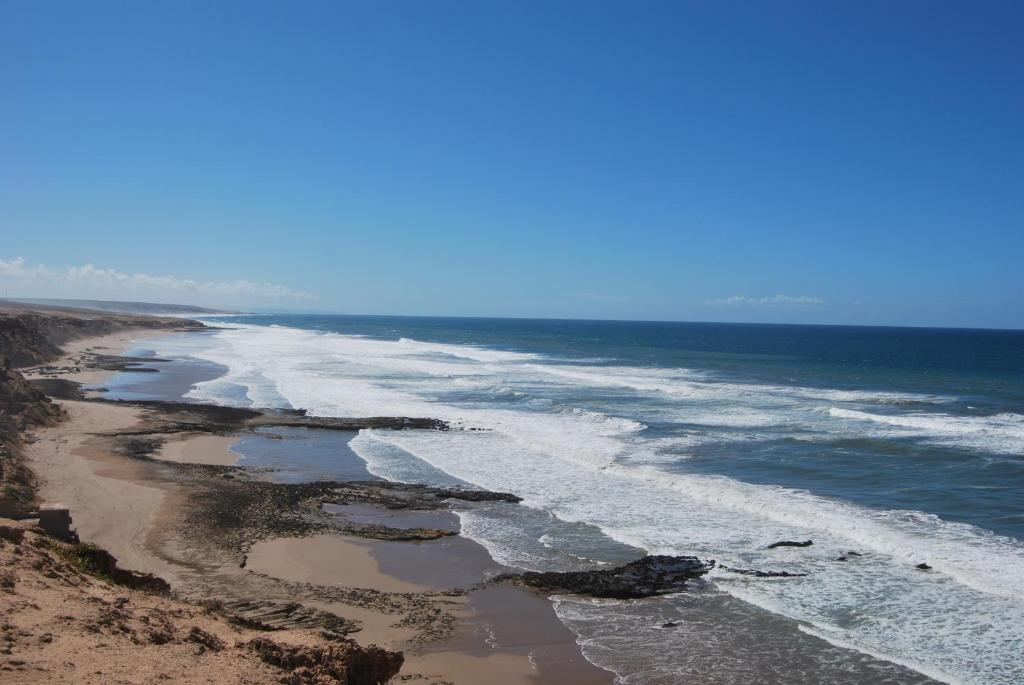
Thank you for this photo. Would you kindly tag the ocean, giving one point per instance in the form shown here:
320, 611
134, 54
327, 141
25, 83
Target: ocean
888, 447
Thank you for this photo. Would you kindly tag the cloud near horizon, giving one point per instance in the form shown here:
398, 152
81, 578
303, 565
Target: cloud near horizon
88, 281
778, 300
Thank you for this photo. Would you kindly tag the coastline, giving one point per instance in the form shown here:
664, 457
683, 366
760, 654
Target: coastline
226, 521
127, 505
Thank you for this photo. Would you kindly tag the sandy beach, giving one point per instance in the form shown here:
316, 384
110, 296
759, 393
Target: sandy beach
403, 595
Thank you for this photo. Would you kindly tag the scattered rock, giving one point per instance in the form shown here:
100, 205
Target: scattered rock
344, 661
379, 532
790, 543
268, 615
179, 416
234, 513
13, 534
763, 574
205, 639
160, 636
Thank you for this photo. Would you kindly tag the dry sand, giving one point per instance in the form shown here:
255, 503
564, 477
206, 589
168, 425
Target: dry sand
112, 503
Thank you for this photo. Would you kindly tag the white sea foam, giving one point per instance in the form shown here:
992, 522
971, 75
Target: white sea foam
939, 618
480, 354
588, 465
698, 385
1002, 433
834, 639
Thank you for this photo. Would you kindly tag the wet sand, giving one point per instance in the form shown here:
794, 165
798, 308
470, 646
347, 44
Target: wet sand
509, 622
325, 454
199, 449
325, 560
504, 634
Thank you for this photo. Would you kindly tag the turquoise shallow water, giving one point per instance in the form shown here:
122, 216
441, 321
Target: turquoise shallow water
902, 444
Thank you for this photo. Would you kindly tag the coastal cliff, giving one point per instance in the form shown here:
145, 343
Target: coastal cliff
21, 407
31, 335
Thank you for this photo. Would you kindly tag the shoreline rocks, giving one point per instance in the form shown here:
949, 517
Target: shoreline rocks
762, 574
168, 416
790, 543
652, 575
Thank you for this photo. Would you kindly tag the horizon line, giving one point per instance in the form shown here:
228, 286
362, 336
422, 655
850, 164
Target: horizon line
309, 312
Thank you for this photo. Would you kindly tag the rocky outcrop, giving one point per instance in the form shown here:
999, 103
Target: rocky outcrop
168, 417
237, 511
757, 573
270, 615
790, 543
99, 562
21, 405
60, 623
379, 532
344, 662
165, 417
652, 575
299, 417
58, 388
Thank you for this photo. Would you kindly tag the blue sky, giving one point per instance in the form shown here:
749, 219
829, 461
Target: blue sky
840, 162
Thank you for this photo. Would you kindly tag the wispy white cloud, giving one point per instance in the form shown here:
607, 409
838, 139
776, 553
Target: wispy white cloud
776, 301
89, 281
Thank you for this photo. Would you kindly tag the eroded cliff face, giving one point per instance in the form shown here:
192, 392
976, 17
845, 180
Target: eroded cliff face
30, 337
34, 336
21, 407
